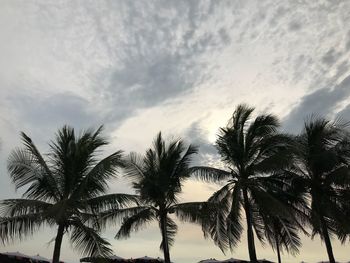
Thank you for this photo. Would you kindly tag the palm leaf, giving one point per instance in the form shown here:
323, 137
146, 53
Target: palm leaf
171, 230
19, 207
135, 222
193, 212
88, 241
134, 167
233, 224
20, 227
26, 166
114, 216
182, 165
111, 202
209, 174
96, 180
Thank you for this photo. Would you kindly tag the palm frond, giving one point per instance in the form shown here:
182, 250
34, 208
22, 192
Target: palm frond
115, 216
159, 145
20, 227
262, 126
73, 157
27, 166
209, 174
240, 116
273, 153
22, 168
19, 207
134, 169
233, 224
339, 176
217, 227
171, 230
194, 212
96, 180
284, 233
39, 160
88, 241
135, 222
221, 194
258, 223
182, 165
111, 202
268, 203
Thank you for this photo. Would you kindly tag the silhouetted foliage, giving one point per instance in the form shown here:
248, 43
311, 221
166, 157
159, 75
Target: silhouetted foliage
157, 178
252, 150
320, 171
66, 189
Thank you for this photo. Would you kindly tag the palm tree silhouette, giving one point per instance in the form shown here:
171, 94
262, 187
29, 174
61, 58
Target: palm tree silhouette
64, 190
320, 171
157, 178
282, 233
251, 150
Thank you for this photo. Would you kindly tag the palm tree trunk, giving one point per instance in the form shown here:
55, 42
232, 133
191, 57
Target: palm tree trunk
278, 247
58, 243
250, 234
327, 240
163, 226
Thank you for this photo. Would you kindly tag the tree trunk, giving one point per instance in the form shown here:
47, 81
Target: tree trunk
278, 247
327, 240
250, 234
58, 243
163, 226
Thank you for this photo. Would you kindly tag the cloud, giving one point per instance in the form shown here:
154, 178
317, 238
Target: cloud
155, 63
345, 112
60, 108
198, 136
323, 102
42, 115
176, 66
331, 56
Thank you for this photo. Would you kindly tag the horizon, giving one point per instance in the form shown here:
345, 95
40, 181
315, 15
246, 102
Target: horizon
180, 67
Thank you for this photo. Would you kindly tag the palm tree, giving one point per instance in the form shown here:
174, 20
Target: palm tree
282, 233
157, 178
321, 171
65, 189
251, 150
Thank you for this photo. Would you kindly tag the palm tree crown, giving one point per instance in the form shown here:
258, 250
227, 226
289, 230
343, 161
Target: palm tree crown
64, 190
251, 150
157, 178
320, 170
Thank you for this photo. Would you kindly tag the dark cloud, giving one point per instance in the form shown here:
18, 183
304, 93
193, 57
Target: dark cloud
57, 108
52, 112
331, 56
198, 136
39, 116
224, 36
322, 102
159, 56
278, 14
347, 44
295, 25
145, 81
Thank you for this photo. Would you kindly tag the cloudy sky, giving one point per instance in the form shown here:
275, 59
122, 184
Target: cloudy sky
177, 66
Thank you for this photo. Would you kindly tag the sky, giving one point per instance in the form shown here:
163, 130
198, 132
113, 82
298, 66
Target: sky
180, 67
